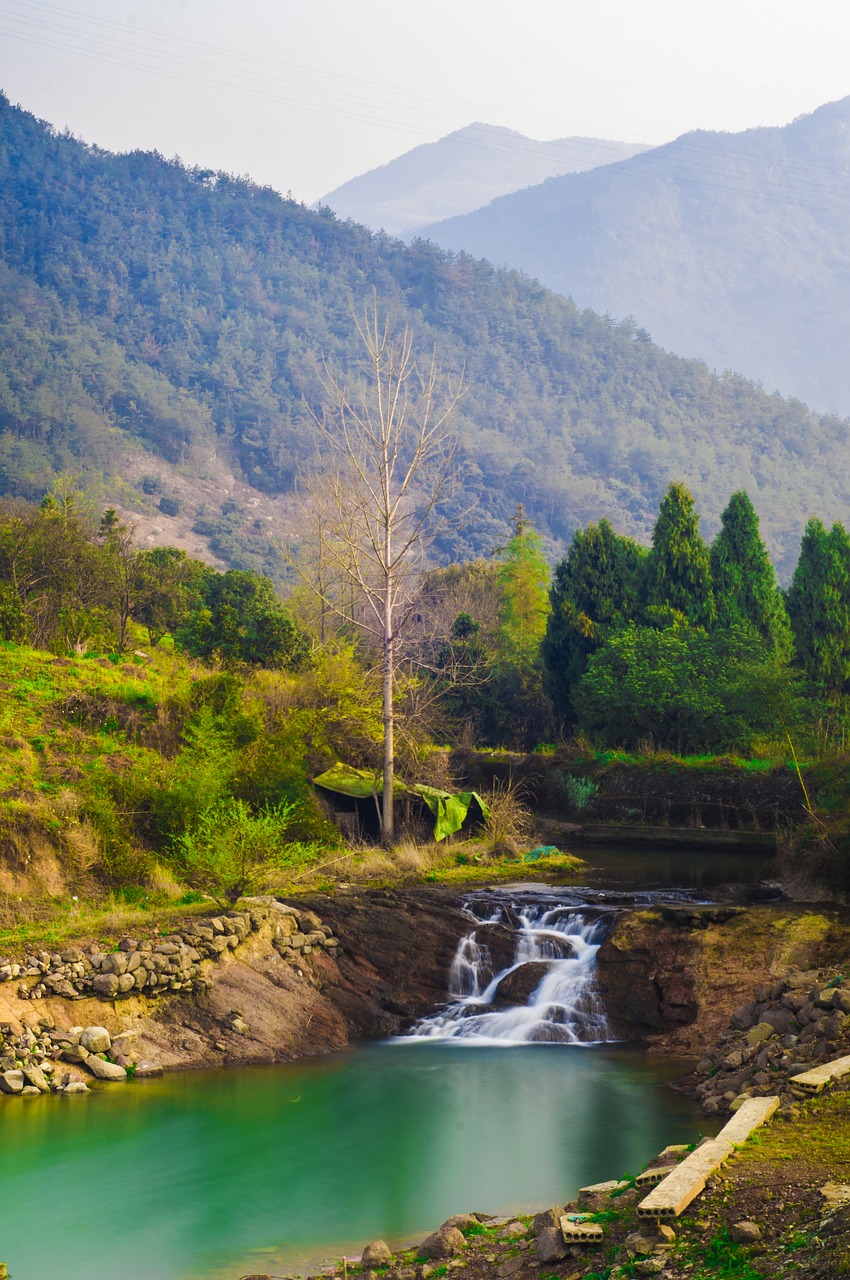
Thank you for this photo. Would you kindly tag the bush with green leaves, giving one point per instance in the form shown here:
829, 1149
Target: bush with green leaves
231, 850
688, 689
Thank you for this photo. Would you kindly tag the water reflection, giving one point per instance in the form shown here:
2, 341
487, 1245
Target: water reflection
202, 1175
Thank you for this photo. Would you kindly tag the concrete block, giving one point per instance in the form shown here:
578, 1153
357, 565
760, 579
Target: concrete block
672, 1196
815, 1080
649, 1177
751, 1115
581, 1232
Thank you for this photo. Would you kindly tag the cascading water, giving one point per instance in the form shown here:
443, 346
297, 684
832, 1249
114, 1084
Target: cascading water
547, 994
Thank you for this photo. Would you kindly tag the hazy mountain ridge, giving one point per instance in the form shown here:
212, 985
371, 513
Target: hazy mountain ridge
734, 248
149, 307
461, 172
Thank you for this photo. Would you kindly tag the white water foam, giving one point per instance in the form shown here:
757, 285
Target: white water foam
564, 1007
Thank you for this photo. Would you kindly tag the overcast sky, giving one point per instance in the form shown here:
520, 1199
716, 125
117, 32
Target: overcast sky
304, 96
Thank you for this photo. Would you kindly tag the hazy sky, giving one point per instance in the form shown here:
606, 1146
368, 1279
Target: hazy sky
304, 96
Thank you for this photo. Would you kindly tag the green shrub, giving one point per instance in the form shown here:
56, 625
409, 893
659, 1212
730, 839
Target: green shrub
230, 850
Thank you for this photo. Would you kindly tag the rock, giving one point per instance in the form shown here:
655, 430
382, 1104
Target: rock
115, 962
443, 1243
36, 1077
761, 1031
376, 1254
96, 1040
75, 1086
105, 1070
638, 1243
779, 1019
105, 985
548, 1218
513, 1231
835, 1025
74, 1053
745, 1232
460, 1220
649, 1266
551, 1246
517, 987
11, 1081
510, 1267
146, 1069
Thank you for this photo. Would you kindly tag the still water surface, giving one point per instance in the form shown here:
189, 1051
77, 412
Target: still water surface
208, 1176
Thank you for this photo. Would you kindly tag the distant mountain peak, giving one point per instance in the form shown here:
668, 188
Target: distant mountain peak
730, 247
463, 171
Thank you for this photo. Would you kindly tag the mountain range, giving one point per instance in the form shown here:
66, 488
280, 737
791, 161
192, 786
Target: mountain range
733, 248
163, 331
460, 172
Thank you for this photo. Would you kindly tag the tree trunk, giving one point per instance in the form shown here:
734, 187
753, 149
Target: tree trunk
387, 824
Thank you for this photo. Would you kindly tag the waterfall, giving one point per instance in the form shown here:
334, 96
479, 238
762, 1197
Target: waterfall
547, 994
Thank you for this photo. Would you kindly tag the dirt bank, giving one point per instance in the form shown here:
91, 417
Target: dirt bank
673, 975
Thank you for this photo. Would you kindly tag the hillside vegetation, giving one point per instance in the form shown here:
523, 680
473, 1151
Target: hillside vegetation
151, 310
730, 247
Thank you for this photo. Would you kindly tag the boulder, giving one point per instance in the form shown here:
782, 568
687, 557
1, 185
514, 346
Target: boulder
461, 1220
75, 1086
761, 1031
105, 1070
548, 1218
443, 1243
376, 1254
36, 1077
11, 1081
551, 1246
105, 985
518, 986
96, 1040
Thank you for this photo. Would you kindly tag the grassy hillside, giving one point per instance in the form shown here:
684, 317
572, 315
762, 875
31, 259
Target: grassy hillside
730, 247
163, 331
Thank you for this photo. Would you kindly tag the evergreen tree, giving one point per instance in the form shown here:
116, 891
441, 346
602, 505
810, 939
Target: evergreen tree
819, 606
595, 586
745, 588
678, 569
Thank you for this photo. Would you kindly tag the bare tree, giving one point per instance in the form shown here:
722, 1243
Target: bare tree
375, 504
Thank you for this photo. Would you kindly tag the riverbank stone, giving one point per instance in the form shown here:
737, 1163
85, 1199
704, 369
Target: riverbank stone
551, 1245
11, 1081
443, 1243
96, 1040
376, 1254
103, 1070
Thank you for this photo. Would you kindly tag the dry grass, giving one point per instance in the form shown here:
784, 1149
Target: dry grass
509, 830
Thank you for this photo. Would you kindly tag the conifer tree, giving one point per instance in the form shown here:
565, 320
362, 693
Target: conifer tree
678, 570
745, 587
819, 606
594, 588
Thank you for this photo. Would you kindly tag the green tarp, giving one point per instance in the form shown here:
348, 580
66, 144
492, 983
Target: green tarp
449, 809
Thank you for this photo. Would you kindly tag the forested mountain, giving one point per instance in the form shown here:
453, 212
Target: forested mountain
734, 248
149, 311
461, 172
